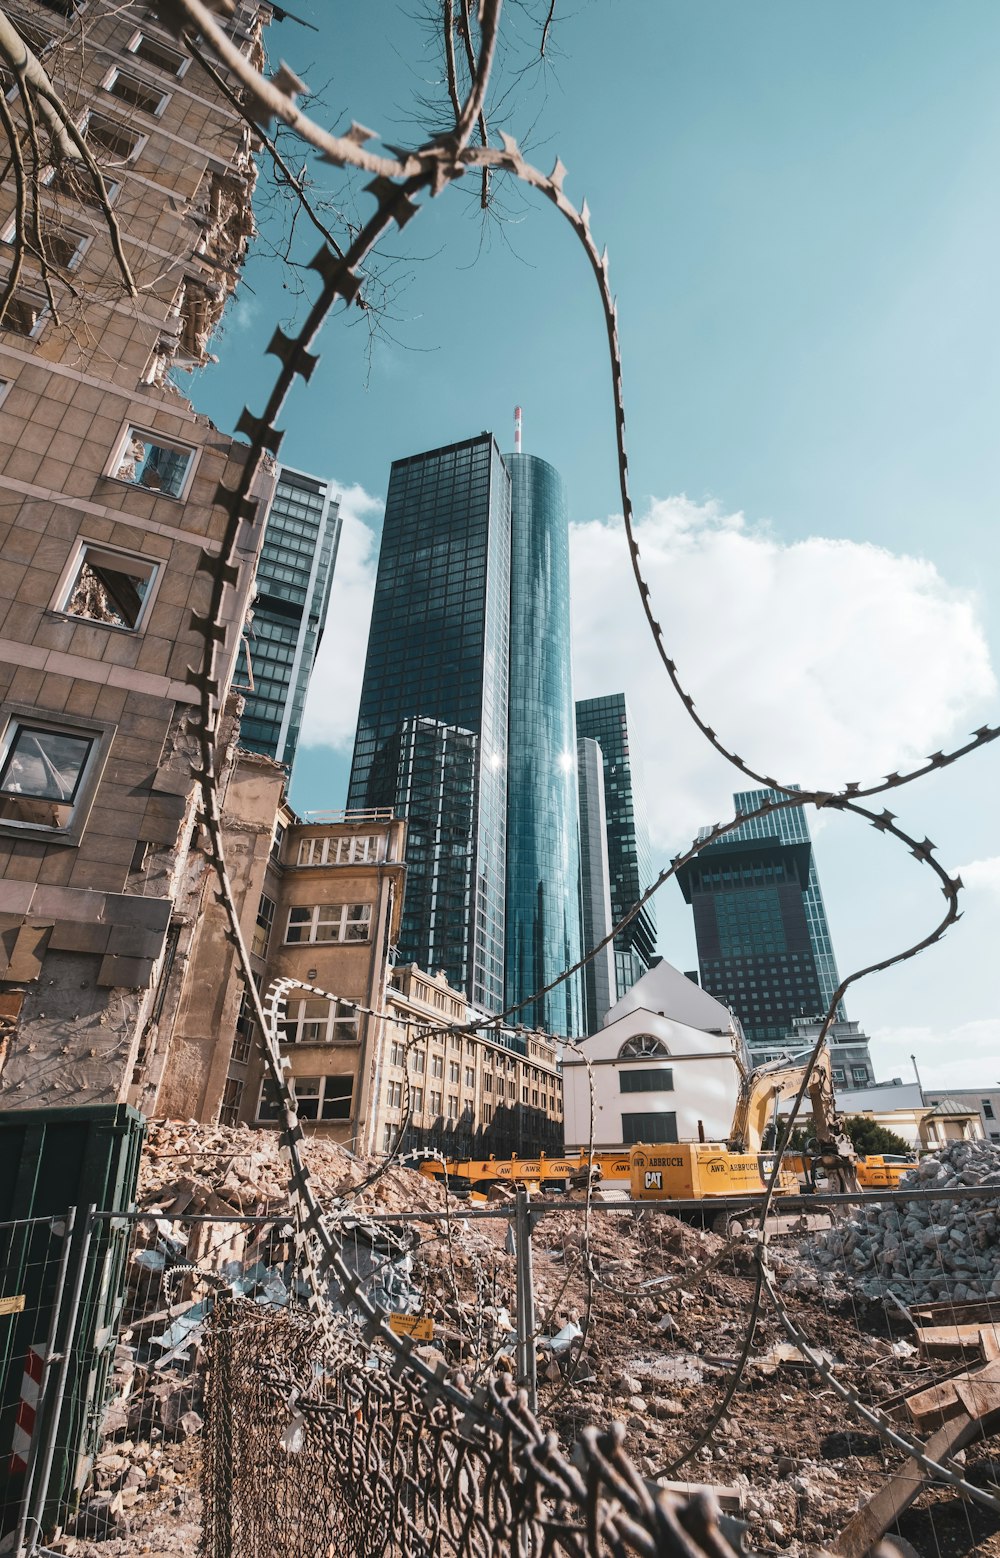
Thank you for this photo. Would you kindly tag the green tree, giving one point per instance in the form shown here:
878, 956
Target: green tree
869, 1137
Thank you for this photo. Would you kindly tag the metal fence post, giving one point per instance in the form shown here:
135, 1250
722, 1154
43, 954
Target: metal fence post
46, 1422
527, 1363
37, 1513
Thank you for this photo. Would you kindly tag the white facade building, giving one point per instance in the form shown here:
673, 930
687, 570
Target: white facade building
666, 1066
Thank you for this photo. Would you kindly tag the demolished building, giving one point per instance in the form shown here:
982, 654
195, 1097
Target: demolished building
111, 525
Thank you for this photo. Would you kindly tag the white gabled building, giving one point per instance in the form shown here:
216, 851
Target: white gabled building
666, 1066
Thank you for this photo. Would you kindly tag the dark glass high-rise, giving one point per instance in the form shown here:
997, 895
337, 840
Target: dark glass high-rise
432, 727
608, 722
763, 938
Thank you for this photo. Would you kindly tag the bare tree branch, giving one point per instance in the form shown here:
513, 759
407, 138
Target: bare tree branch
29, 73
17, 163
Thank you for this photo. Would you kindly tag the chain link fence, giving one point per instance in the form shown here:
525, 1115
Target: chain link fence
614, 1359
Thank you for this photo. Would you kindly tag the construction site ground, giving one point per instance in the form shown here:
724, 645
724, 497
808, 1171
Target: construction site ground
664, 1309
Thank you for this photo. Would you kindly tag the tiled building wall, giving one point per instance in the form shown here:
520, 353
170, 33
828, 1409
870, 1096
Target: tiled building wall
104, 464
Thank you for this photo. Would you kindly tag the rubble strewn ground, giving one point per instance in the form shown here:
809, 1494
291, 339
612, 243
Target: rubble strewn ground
652, 1340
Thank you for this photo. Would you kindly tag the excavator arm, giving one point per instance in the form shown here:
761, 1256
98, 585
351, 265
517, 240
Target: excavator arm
763, 1089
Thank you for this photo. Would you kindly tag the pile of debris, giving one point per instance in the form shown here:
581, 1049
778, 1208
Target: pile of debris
923, 1250
221, 1170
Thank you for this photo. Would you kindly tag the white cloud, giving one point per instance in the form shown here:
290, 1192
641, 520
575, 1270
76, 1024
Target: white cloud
819, 661
962, 1057
982, 875
331, 710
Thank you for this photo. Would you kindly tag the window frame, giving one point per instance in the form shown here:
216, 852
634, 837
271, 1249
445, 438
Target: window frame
334, 1018
91, 203
117, 161
646, 1079
322, 914
112, 76
308, 1098
84, 241
100, 733
629, 1139
132, 46
71, 573
23, 294
130, 430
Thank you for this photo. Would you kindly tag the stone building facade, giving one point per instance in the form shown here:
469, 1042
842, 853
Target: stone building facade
109, 528
496, 1091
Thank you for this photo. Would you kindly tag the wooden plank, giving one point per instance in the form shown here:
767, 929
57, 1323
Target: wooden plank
932, 1406
863, 1530
937, 1339
730, 1498
974, 1309
989, 1342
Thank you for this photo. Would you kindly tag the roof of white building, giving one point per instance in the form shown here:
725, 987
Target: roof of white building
666, 992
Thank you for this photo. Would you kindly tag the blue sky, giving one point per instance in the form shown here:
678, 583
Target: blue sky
799, 207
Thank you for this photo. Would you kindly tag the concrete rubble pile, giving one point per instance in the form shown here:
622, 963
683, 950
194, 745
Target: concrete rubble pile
919, 1252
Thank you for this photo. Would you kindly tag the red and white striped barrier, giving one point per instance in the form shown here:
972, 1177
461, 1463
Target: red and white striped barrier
27, 1409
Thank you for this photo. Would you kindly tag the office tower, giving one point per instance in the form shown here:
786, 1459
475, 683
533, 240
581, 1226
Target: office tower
110, 508
608, 722
543, 851
763, 939
294, 577
600, 985
432, 726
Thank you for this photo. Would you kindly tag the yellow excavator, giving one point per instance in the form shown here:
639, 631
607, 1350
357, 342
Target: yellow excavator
740, 1167
691, 1172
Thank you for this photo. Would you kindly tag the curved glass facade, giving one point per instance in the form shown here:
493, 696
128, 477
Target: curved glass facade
543, 848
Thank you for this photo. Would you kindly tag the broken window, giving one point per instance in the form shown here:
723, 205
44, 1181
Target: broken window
42, 773
136, 92
338, 850
146, 460
262, 928
109, 587
62, 246
104, 134
316, 1098
246, 1031
25, 314
152, 52
232, 1098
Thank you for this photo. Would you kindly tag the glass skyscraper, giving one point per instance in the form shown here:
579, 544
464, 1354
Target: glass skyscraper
294, 577
600, 982
432, 727
763, 939
543, 851
608, 722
